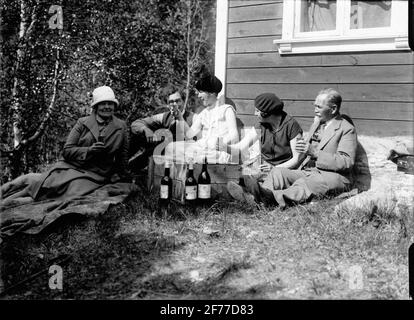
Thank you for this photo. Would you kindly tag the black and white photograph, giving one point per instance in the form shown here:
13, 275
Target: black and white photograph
206, 155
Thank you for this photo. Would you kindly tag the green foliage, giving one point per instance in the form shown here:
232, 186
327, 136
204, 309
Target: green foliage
136, 47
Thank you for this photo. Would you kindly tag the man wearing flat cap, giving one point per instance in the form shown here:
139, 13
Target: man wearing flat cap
330, 150
277, 132
215, 122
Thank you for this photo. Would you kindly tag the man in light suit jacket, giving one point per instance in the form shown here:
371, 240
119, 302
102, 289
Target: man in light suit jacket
330, 155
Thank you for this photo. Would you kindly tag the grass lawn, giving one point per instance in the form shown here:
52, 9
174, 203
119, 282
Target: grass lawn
222, 251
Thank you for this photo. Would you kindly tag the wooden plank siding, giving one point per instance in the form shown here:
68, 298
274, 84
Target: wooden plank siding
324, 75
382, 128
252, 44
377, 88
267, 11
273, 60
254, 28
377, 128
356, 110
350, 92
248, 3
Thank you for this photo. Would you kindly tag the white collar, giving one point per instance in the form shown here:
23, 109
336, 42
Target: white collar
217, 104
328, 123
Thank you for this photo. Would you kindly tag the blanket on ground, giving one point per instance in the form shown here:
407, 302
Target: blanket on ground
32, 215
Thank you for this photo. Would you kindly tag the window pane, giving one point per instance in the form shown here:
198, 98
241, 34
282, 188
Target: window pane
318, 15
370, 14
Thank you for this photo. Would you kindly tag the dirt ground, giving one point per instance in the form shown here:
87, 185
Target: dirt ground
220, 251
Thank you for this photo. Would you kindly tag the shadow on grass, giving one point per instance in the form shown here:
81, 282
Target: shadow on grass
116, 256
174, 286
103, 264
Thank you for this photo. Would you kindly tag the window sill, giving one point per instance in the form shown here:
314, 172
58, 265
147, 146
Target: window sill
342, 44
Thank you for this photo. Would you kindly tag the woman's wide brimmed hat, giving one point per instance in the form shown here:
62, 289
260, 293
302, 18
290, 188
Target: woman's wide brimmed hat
101, 94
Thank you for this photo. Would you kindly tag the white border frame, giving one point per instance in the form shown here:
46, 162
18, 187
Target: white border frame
373, 39
220, 62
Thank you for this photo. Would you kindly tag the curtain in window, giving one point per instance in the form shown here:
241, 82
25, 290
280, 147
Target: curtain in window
318, 15
370, 14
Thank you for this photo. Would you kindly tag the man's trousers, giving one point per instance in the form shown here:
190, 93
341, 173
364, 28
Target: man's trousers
297, 186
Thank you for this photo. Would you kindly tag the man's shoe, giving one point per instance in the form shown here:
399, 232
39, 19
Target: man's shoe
268, 197
239, 194
260, 194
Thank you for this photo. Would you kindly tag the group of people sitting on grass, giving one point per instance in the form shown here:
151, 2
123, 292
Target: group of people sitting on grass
100, 149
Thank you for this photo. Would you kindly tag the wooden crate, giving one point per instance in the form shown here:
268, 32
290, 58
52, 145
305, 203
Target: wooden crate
220, 174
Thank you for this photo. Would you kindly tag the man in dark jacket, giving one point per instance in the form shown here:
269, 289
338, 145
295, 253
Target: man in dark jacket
144, 131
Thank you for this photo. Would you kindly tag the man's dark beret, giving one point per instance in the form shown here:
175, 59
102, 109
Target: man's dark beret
268, 103
210, 84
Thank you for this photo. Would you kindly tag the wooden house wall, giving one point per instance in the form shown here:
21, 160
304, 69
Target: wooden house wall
376, 87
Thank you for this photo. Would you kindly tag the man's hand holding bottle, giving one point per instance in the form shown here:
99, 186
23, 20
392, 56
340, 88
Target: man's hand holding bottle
176, 113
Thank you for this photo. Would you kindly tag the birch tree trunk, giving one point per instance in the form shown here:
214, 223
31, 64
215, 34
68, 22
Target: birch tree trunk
187, 87
195, 40
28, 19
17, 82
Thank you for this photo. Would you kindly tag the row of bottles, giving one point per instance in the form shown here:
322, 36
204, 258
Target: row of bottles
200, 189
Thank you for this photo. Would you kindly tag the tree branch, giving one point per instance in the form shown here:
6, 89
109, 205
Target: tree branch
29, 30
187, 93
24, 33
72, 97
51, 107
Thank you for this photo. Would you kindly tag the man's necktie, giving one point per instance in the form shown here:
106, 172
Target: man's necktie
318, 133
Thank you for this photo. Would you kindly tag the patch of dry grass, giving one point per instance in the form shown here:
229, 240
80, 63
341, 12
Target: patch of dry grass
221, 251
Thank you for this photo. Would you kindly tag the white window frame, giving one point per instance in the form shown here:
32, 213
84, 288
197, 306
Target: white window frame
343, 39
222, 22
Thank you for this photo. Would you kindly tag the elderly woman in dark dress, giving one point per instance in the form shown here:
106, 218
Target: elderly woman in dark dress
95, 154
